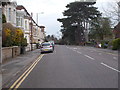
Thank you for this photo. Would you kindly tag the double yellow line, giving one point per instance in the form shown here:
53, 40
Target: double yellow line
18, 82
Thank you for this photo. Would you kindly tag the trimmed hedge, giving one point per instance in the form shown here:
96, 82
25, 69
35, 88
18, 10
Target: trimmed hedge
116, 44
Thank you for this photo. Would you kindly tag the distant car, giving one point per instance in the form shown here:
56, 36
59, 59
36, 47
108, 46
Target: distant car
46, 47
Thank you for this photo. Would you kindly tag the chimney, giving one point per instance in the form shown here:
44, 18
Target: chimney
42, 28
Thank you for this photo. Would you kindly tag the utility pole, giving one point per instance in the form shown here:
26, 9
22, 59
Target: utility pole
0, 44
0, 32
118, 11
37, 20
31, 32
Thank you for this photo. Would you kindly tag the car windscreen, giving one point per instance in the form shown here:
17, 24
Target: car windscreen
45, 44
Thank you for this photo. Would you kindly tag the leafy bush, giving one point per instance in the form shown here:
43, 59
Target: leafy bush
110, 44
7, 34
12, 36
90, 43
3, 18
116, 44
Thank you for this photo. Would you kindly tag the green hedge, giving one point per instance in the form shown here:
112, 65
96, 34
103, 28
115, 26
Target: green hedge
116, 44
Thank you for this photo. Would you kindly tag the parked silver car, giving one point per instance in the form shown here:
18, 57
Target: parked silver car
53, 44
46, 47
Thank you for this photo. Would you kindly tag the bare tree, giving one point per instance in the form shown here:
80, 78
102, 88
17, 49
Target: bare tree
112, 11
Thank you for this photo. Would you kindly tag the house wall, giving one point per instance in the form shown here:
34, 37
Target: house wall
20, 19
10, 12
41, 35
23, 23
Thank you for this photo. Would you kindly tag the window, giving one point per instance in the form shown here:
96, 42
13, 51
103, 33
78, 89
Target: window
26, 25
9, 14
21, 21
18, 21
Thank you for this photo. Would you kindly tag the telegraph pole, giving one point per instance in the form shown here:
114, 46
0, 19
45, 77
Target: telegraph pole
118, 11
0, 32
0, 45
31, 32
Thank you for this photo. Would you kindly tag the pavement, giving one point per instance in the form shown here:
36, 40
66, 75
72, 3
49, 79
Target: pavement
15, 66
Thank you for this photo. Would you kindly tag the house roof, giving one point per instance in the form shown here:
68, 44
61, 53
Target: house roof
5, 0
42, 26
20, 7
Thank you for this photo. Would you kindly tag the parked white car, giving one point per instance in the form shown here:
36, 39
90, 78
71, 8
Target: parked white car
46, 47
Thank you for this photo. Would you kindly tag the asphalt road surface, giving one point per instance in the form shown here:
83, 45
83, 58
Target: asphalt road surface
74, 67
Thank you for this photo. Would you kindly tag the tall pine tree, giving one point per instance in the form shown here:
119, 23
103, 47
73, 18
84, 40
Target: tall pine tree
78, 16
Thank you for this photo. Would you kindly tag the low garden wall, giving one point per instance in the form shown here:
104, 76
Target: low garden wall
10, 52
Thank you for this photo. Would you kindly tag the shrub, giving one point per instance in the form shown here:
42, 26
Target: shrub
24, 42
110, 44
3, 18
116, 44
90, 43
18, 37
7, 34
12, 36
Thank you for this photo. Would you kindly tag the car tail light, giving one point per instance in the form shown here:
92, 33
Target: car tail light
50, 46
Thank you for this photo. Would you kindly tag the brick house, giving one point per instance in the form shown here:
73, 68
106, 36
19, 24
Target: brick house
116, 30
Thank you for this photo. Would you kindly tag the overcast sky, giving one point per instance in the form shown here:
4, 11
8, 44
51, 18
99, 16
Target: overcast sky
52, 10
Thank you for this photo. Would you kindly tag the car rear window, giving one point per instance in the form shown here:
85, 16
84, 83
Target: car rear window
46, 44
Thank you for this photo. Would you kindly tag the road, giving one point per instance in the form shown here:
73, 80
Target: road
74, 67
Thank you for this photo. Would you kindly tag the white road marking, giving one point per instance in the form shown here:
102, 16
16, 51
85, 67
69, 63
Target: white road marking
79, 52
100, 53
115, 58
73, 50
110, 67
66, 46
89, 57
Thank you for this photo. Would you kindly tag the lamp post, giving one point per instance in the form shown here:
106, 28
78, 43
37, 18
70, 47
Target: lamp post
0, 44
37, 20
31, 32
118, 11
0, 32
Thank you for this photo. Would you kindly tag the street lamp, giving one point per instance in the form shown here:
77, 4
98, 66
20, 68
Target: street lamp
37, 16
118, 11
0, 32
0, 44
31, 31
37, 20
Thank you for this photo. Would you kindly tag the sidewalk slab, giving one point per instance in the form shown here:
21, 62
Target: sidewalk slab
16, 65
